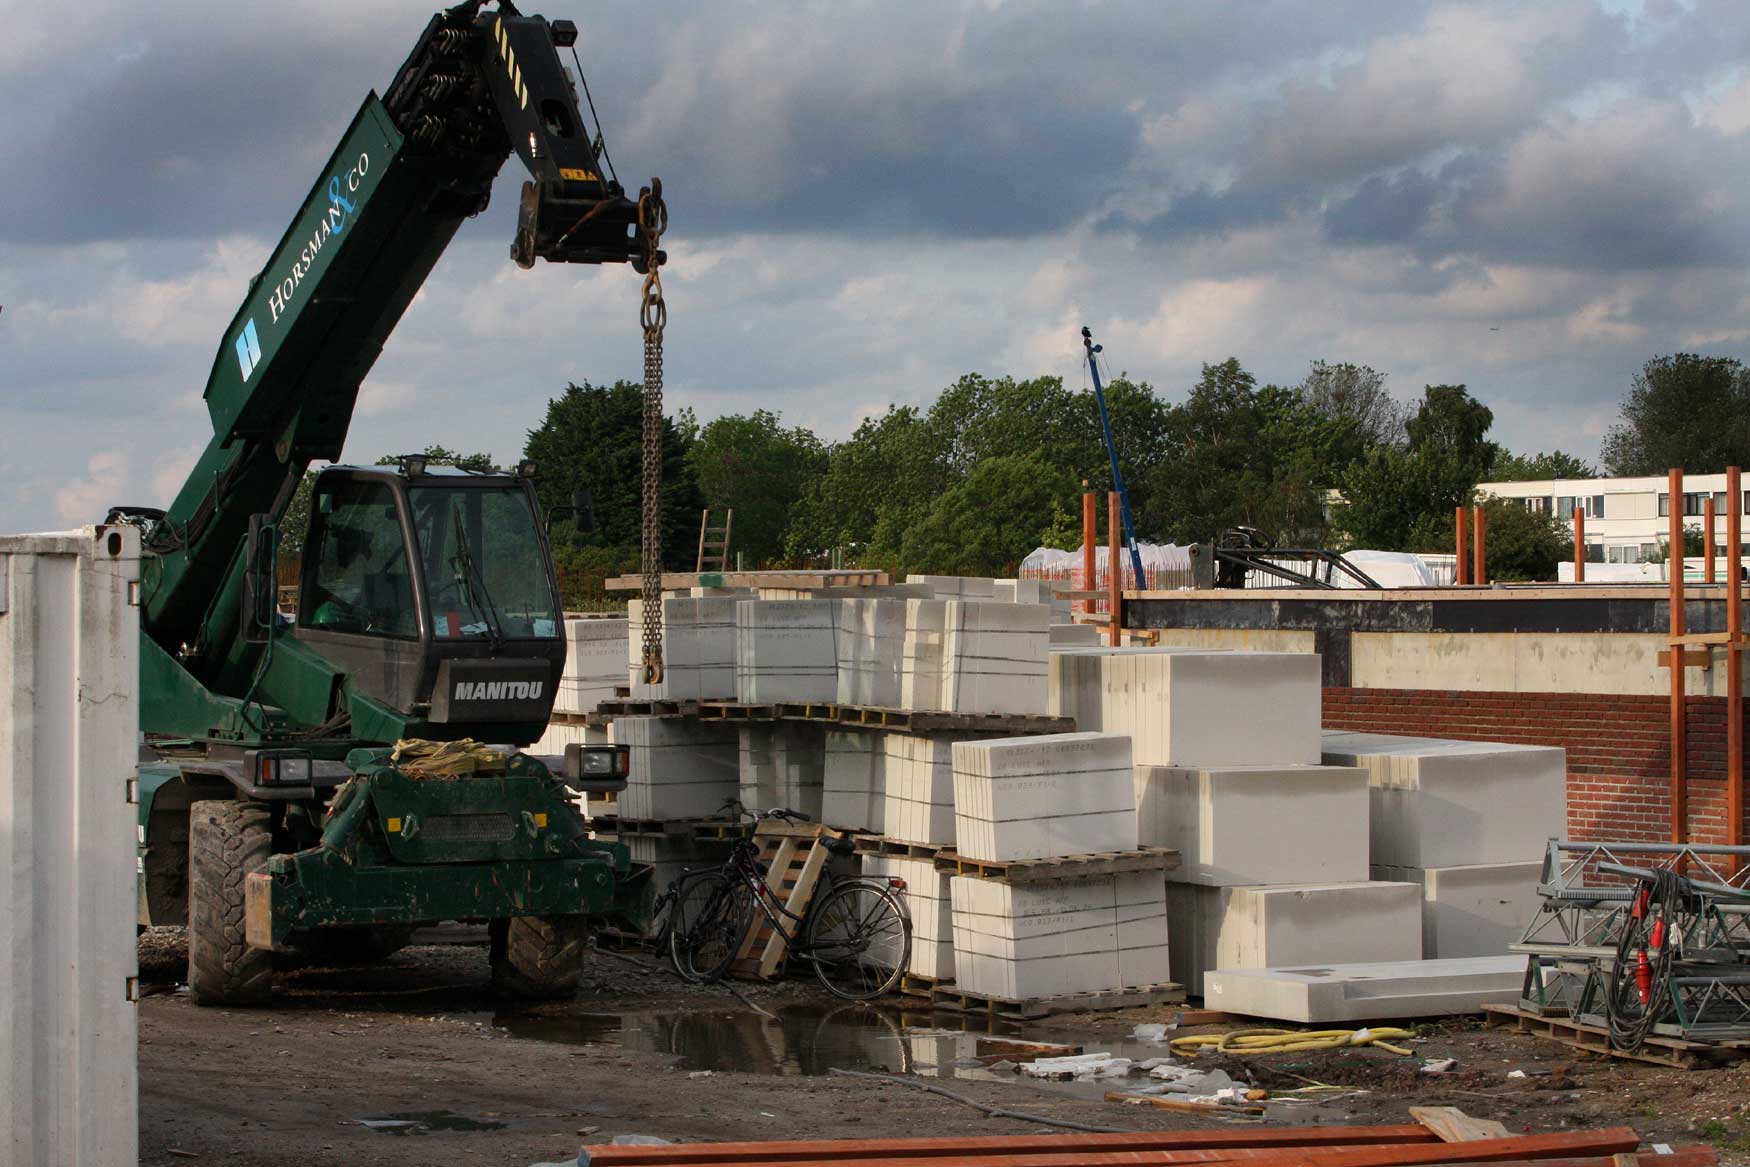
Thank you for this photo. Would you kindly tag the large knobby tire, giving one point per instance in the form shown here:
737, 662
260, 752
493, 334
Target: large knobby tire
538, 958
226, 841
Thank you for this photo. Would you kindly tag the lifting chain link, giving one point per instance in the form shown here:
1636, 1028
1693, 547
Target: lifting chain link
652, 317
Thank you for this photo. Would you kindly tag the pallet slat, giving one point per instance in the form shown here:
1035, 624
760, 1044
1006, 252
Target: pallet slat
1065, 867
1658, 1049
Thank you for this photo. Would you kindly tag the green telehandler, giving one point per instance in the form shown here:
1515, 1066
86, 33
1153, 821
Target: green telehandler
290, 795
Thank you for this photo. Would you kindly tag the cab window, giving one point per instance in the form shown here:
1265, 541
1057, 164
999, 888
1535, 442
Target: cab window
358, 579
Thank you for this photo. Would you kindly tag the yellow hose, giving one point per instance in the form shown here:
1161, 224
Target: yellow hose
1280, 1041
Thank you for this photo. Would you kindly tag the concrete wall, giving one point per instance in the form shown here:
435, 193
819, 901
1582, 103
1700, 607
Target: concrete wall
1522, 662
1249, 639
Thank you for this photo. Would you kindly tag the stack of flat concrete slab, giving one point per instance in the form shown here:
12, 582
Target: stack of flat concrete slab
698, 649
929, 900
595, 662
1466, 822
1367, 991
786, 650
679, 768
782, 766
973, 656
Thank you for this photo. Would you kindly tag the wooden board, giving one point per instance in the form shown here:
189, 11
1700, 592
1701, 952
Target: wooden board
1657, 1049
1063, 867
957, 1000
898, 848
921, 987
932, 721
1453, 1125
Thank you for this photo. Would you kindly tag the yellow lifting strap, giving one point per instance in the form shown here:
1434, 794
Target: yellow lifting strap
1280, 1041
418, 758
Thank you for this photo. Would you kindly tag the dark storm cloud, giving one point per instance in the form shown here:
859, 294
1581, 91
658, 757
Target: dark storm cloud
1384, 209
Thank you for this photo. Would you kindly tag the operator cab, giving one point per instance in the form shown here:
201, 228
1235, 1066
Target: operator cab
434, 588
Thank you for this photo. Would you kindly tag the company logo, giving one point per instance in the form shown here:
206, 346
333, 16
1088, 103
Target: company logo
248, 349
333, 221
499, 690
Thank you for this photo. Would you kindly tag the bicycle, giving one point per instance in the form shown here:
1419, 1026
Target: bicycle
856, 931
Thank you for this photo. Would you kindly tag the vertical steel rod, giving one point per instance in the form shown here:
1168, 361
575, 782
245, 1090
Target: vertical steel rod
1679, 736
1461, 524
1707, 540
1090, 535
1579, 544
1480, 573
1115, 569
1734, 661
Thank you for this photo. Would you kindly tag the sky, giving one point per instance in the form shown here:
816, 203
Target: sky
869, 200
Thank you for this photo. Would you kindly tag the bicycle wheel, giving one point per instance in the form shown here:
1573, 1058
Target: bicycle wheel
859, 938
706, 923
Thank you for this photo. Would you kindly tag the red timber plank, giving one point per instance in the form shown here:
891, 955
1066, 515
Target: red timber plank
826, 1149
1073, 1157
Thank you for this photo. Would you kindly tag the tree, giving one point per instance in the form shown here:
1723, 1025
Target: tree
753, 464
1521, 545
1356, 393
988, 523
1510, 467
439, 456
591, 439
1394, 498
1683, 411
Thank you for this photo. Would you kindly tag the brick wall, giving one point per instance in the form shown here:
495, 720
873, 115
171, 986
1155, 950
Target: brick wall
1619, 769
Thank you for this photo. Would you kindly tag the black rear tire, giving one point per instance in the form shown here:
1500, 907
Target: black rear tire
226, 841
859, 938
538, 958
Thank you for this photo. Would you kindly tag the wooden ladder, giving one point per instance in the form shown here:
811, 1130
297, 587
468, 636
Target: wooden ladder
714, 542
793, 858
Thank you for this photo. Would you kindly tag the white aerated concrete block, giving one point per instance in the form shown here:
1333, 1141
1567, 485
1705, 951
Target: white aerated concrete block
1037, 797
1441, 803
871, 639
1475, 910
1256, 824
994, 657
783, 767
928, 900
698, 650
956, 587
917, 777
1074, 636
1259, 927
595, 663
670, 855
852, 795
680, 769
1023, 942
786, 650
1194, 707
1366, 991
920, 665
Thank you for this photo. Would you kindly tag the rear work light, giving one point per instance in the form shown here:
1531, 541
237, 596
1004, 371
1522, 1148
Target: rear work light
597, 761
278, 767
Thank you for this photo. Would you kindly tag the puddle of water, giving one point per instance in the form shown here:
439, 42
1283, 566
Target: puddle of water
805, 1040
420, 1122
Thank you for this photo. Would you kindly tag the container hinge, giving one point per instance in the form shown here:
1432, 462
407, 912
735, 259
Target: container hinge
133, 792
133, 990
133, 593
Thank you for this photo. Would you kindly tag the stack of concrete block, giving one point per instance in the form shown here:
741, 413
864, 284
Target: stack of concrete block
927, 897
557, 737
1190, 707
698, 649
957, 587
670, 855
783, 767
786, 650
1028, 941
595, 663
994, 657
680, 768
1467, 822
917, 781
852, 791
920, 663
1074, 636
1347, 992
1039, 797
871, 641
1270, 926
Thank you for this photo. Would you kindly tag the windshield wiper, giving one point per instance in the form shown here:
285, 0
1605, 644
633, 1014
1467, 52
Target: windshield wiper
477, 593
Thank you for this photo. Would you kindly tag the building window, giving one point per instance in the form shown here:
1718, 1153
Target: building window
1538, 504
1595, 507
1694, 503
1565, 506
1664, 506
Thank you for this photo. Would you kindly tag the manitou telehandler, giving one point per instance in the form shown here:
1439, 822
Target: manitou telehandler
274, 814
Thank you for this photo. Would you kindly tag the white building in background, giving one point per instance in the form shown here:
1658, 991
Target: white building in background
1627, 519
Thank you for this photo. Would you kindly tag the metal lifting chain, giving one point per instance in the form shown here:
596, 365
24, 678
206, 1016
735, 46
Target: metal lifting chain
653, 316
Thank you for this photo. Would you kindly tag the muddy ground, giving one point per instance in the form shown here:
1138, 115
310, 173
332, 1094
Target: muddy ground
414, 1062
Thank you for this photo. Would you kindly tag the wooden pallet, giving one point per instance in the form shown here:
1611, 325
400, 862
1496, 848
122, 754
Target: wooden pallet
924, 988
1658, 1049
931, 721
608, 824
1066, 867
626, 707
958, 1000
898, 848
736, 711
793, 858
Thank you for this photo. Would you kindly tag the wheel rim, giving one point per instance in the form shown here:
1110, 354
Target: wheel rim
707, 928
860, 942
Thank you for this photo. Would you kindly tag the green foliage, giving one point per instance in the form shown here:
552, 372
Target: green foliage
751, 463
987, 523
1356, 393
1683, 411
582, 571
439, 456
1511, 467
1693, 544
590, 439
295, 523
1397, 499
1520, 545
